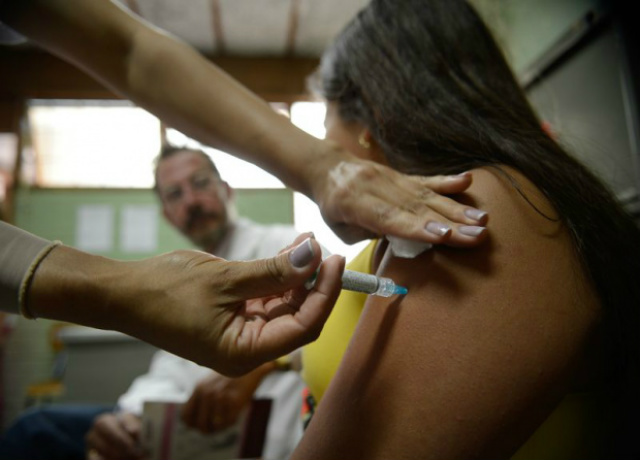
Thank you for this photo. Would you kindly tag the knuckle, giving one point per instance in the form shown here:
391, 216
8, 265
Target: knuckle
412, 207
426, 193
274, 268
367, 173
385, 214
226, 278
341, 192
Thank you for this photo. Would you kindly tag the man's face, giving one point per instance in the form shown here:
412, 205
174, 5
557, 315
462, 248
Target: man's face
193, 198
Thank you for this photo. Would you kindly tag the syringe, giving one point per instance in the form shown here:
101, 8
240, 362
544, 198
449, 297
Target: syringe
363, 282
371, 284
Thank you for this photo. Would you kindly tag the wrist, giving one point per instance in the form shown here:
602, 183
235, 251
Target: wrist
300, 160
318, 170
71, 285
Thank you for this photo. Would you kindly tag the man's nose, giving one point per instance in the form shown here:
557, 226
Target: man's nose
189, 197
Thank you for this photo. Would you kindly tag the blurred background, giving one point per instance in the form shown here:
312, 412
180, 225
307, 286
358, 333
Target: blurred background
76, 161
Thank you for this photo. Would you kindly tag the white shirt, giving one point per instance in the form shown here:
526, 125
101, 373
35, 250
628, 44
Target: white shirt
171, 378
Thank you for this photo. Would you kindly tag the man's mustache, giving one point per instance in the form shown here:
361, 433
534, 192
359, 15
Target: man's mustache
196, 214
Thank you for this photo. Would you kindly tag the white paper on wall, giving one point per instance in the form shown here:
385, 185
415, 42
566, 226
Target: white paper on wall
94, 228
139, 228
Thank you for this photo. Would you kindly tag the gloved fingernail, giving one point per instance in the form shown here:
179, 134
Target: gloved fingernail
302, 254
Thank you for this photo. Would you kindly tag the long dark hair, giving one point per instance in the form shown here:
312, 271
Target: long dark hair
430, 83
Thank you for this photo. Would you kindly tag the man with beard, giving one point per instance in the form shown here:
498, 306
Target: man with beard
199, 203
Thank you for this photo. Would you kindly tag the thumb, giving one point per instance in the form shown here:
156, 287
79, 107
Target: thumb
266, 277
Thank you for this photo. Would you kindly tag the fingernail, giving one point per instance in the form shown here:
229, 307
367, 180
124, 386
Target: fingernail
470, 230
438, 228
302, 254
474, 214
462, 174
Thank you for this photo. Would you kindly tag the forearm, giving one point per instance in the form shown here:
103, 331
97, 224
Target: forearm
173, 81
216, 109
40, 279
70, 285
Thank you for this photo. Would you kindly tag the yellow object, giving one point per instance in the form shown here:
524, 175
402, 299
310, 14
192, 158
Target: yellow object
52, 389
43, 393
283, 363
321, 358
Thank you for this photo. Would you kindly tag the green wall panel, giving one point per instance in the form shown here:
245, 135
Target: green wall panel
526, 29
52, 213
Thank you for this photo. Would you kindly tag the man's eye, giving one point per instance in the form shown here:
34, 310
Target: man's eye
201, 183
173, 195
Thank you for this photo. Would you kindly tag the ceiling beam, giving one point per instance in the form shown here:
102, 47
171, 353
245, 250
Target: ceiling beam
32, 73
292, 30
218, 30
133, 6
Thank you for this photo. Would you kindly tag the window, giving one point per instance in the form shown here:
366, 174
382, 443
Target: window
92, 143
238, 173
8, 148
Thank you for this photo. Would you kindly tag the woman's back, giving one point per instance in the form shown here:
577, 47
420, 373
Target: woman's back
494, 337
479, 352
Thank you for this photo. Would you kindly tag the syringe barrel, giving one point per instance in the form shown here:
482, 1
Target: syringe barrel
369, 284
359, 282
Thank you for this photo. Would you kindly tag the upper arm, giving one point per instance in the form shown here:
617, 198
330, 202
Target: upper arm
475, 356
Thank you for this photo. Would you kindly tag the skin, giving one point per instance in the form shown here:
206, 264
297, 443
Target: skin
217, 401
233, 316
348, 136
194, 200
187, 186
115, 436
215, 404
468, 364
357, 198
229, 316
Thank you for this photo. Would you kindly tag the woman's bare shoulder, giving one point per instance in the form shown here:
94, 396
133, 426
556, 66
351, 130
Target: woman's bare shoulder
482, 347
